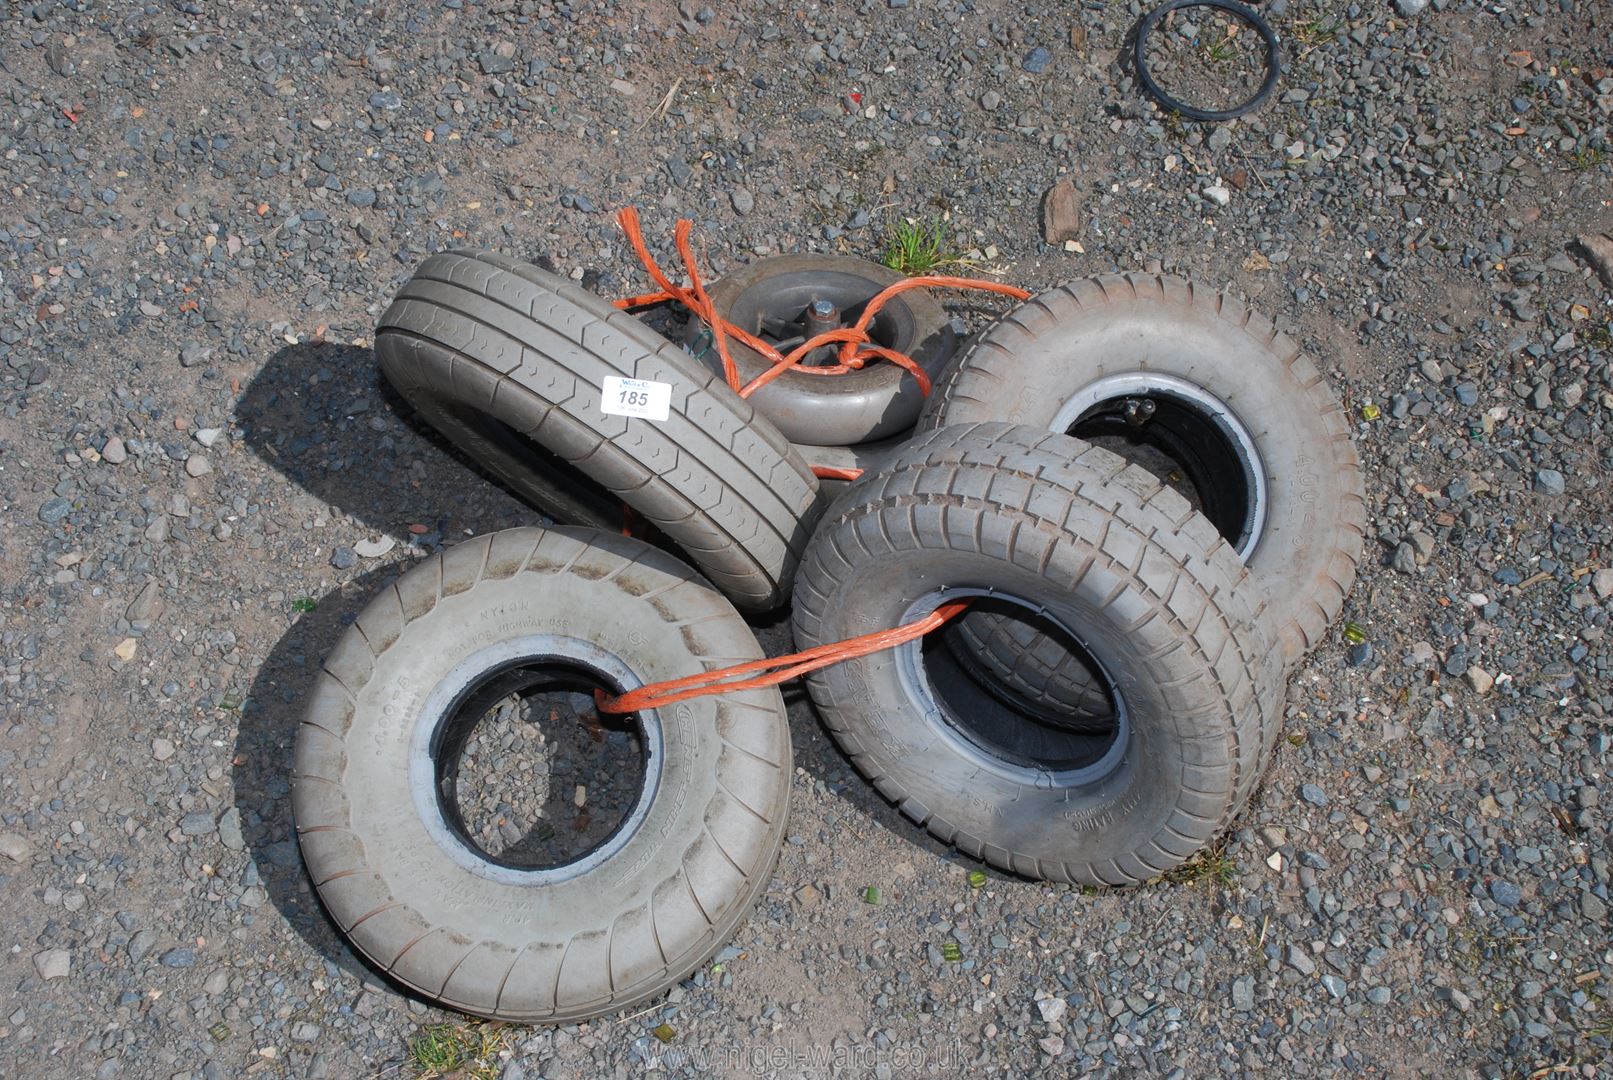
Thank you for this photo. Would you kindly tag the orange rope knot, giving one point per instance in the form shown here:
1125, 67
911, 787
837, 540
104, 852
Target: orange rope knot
857, 348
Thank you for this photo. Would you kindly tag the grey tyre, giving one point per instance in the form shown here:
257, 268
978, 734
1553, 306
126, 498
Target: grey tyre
1233, 407
878, 402
509, 362
389, 853
1039, 526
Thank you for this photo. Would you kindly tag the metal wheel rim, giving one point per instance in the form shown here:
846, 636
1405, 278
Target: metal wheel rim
783, 298
1238, 445
916, 683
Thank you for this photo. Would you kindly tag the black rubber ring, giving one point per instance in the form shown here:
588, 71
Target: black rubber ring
1274, 64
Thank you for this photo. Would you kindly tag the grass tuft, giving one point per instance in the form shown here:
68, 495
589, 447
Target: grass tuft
915, 248
1586, 159
1211, 867
461, 1051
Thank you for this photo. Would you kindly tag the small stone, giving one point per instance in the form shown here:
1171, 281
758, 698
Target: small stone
197, 465
1336, 987
146, 605
742, 199
374, 549
1052, 1045
1404, 559
229, 830
493, 64
54, 510
303, 1031
344, 558
1061, 212
1505, 893
808, 895
1549, 482
1602, 582
53, 963
125, 649
1481, 681
1243, 993
1359, 655
1300, 960
1379, 995
59, 60
191, 355
141, 944
1598, 251
217, 983
162, 749
207, 436
1036, 60
1422, 544
1462, 1002
1313, 794
1410, 8
113, 452
990, 100
196, 823
1052, 1009
1217, 194
179, 958
15, 847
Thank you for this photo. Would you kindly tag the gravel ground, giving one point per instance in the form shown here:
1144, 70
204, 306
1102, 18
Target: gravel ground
201, 478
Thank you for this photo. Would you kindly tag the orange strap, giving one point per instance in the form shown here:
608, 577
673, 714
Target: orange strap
830, 472
778, 669
857, 348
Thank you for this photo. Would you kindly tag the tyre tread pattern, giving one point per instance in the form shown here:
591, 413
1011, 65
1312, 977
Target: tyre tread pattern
711, 886
515, 341
1166, 560
964, 393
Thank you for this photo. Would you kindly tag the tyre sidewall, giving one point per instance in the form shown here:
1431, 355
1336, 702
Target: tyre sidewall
400, 358
1306, 482
577, 942
1092, 825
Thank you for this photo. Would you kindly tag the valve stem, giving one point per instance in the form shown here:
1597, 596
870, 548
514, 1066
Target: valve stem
1137, 411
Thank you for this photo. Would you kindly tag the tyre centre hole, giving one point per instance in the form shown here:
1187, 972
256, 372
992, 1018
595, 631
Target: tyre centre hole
777, 311
994, 725
1185, 436
528, 774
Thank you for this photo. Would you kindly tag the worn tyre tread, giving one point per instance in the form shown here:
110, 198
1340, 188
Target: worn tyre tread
1082, 495
358, 897
531, 348
1300, 616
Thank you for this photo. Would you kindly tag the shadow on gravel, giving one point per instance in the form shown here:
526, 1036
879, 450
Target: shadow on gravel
263, 759
323, 416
